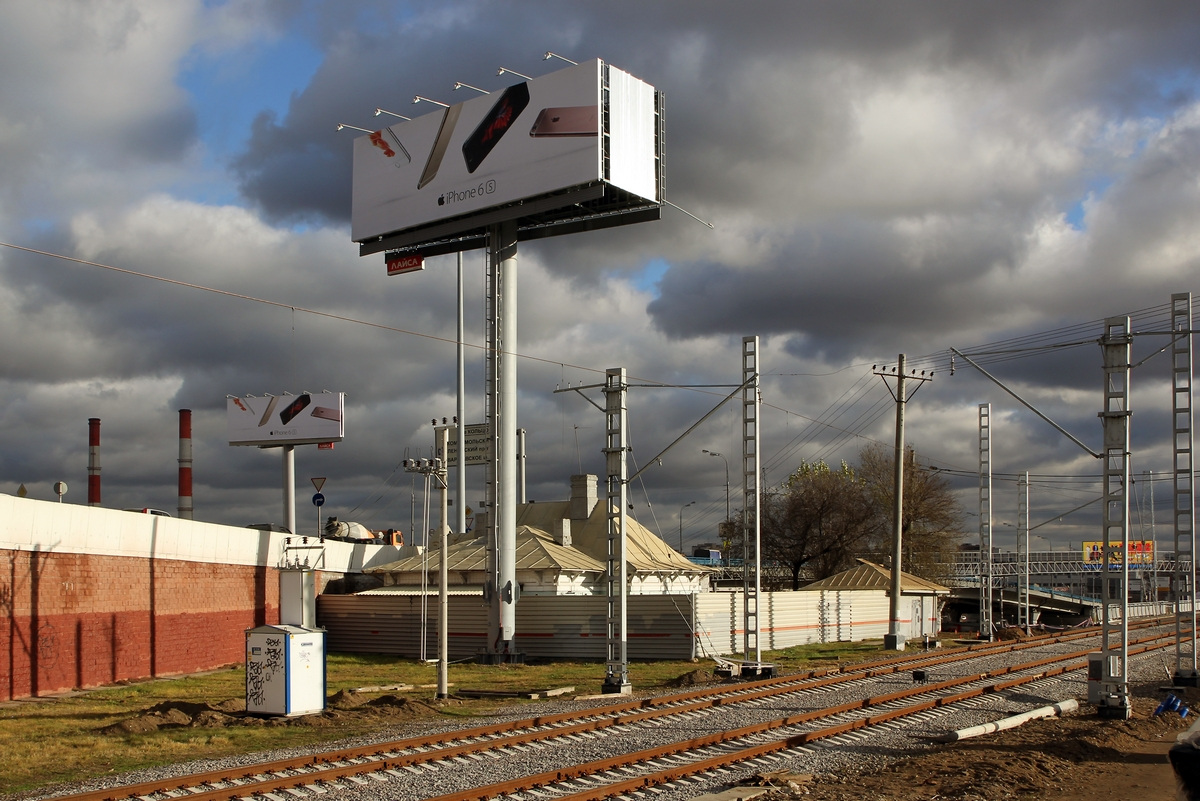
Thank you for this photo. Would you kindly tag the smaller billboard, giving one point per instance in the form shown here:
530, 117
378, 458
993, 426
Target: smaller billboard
1141, 554
286, 419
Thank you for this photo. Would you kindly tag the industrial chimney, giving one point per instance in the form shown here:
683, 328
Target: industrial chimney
93, 487
185, 464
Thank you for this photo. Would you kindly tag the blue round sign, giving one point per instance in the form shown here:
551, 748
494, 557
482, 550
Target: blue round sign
318, 499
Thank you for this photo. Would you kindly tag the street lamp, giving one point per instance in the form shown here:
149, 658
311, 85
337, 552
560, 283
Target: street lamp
681, 508
726, 461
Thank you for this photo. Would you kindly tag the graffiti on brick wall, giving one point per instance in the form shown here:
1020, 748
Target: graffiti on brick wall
47, 645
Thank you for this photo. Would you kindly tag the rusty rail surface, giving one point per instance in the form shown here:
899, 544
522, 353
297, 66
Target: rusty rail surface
364, 764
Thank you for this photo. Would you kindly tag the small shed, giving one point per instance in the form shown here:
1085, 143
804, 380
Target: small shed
920, 599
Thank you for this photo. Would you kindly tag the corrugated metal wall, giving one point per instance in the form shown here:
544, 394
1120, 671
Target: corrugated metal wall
791, 618
659, 626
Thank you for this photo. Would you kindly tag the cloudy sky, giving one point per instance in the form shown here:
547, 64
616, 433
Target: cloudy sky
881, 178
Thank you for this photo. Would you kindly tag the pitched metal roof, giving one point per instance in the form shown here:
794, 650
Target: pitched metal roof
537, 549
870, 576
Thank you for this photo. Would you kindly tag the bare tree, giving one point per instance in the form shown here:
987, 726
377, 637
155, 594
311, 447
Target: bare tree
932, 520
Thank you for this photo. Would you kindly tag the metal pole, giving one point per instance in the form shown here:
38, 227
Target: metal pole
726, 461
425, 571
895, 640
503, 244
521, 465
443, 681
681, 508
1023, 546
289, 490
460, 493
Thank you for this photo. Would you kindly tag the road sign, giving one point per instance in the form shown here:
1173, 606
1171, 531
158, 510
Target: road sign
478, 445
318, 500
318, 483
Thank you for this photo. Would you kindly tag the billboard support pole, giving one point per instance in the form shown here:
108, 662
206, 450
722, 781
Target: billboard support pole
461, 411
502, 419
289, 490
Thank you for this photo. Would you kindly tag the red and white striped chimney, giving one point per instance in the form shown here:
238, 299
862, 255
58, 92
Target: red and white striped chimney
185, 464
93, 461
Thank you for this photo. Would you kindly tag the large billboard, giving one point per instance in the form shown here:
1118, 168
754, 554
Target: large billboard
587, 133
286, 419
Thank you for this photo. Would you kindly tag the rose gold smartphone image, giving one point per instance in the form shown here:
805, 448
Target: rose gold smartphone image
387, 141
566, 121
325, 413
440, 143
266, 415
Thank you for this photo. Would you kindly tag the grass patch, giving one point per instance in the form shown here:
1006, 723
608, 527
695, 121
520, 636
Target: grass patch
52, 740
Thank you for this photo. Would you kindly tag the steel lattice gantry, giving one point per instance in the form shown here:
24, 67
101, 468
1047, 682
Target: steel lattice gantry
985, 521
1183, 583
751, 531
1114, 683
616, 675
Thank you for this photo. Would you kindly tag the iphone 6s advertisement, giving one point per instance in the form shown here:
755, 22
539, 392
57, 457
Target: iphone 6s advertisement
526, 140
286, 419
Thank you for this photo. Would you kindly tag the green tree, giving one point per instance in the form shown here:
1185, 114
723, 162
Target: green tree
816, 520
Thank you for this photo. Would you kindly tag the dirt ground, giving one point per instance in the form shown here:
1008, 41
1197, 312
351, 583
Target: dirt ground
1076, 758
1080, 757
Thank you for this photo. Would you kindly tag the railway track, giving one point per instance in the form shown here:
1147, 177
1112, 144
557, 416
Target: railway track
602, 752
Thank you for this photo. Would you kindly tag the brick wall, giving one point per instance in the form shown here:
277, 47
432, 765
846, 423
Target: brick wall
83, 620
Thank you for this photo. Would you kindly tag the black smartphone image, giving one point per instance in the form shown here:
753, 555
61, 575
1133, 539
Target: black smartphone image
440, 143
495, 124
566, 121
294, 409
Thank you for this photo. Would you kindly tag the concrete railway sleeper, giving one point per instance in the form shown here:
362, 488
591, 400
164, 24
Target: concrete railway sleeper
408, 756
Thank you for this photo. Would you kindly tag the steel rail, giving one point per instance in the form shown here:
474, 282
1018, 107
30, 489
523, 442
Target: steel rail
595, 770
406, 753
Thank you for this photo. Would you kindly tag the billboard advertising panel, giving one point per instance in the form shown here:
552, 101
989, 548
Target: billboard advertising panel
1141, 554
286, 419
498, 151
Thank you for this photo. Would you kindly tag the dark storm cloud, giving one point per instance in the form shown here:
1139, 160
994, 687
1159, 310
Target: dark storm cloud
750, 89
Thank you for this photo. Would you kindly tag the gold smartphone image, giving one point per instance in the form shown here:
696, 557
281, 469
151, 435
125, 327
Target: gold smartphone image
440, 143
266, 415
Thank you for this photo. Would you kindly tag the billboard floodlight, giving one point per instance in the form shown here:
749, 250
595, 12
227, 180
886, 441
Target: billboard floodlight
460, 85
379, 111
419, 98
550, 55
503, 70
